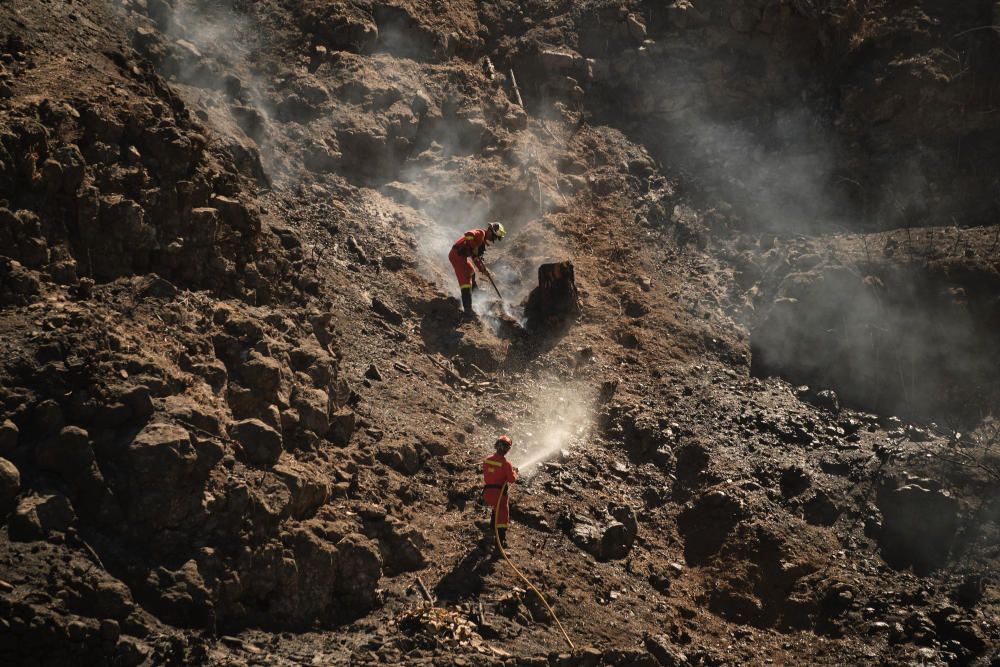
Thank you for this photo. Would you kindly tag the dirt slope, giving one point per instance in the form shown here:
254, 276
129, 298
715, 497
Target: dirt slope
241, 420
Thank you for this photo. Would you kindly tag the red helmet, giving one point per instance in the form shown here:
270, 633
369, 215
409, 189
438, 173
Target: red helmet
503, 443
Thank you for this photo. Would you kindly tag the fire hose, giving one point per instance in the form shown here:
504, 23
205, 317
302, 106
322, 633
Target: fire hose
496, 540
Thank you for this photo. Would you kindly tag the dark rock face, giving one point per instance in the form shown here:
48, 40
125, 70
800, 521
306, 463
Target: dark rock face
919, 526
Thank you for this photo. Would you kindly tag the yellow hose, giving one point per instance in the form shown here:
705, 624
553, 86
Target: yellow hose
496, 540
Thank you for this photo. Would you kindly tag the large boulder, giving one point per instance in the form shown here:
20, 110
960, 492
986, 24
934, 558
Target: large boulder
165, 476
68, 454
37, 517
313, 407
359, 568
260, 442
307, 486
608, 540
400, 544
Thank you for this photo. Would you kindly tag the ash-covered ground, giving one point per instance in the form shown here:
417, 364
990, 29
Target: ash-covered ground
242, 420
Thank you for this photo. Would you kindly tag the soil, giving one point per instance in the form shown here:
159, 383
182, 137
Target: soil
242, 418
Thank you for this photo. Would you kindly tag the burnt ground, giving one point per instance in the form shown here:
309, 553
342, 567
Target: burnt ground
241, 420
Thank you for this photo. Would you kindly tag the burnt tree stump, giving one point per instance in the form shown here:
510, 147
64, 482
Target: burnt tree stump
555, 301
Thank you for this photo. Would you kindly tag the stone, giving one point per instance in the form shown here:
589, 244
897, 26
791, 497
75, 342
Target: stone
827, 399
401, 546
37, 517
554, 60
359, 568
235, 214
73, 166
619, 536
395, 262
340, 29
308, 488
261, 443
262, 375
342, 424
313, 408
386, 312
373, 373
403, 457
10, 486
21, 283
616, 541
112, 599
110, 630
163, 480
48, 417
131, 651
636, 28
662, 649
69, 454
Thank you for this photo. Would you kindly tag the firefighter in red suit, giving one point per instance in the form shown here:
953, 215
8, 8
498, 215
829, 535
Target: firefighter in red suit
467, 251
498, 475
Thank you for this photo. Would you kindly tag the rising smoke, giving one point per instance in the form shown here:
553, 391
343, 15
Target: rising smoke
209, 44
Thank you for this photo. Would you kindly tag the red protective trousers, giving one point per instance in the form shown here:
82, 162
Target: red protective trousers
498, 471
465, 251
463, 268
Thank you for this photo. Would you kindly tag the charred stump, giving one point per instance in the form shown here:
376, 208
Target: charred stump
555, 301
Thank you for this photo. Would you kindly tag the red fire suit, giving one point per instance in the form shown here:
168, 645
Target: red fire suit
496, 471
464, 252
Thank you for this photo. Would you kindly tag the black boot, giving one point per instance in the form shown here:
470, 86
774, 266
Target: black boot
467, 303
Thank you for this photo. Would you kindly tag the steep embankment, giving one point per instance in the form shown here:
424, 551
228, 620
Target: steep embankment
241, 421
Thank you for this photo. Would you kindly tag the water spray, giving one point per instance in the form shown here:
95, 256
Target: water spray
563, 424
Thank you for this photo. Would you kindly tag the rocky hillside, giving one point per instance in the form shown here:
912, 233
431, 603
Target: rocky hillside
241, 420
